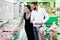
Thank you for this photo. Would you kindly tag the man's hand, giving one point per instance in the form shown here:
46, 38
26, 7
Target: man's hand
39, 23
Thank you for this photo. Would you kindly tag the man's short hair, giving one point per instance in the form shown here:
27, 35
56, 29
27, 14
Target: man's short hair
35, 3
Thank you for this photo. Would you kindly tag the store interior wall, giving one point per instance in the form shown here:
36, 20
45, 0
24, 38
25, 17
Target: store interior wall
8, 12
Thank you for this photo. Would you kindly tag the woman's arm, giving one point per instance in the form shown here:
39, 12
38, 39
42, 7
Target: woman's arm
21, 21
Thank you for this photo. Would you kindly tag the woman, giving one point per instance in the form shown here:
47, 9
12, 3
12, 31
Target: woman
28, 25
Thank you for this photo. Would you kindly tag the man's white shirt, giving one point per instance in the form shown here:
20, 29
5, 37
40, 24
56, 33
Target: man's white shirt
38, 16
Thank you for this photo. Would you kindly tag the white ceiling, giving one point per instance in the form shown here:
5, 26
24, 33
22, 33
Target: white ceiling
12, 1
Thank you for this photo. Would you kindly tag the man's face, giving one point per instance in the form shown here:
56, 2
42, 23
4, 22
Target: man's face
32, 6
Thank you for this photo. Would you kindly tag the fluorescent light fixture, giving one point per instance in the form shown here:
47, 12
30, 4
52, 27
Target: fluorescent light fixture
25, 3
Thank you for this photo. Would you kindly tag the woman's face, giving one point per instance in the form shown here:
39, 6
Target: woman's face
27, 10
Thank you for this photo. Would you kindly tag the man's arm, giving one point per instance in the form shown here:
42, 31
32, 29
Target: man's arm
45, 15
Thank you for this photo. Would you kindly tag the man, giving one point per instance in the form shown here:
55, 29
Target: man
37, 18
